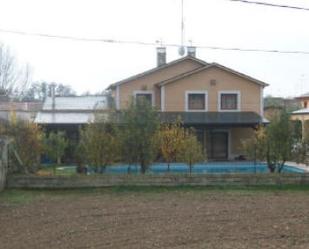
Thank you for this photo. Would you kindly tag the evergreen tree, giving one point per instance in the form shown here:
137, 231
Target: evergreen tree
139, 141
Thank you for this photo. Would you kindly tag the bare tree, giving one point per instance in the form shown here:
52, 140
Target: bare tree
40, 90
14, 79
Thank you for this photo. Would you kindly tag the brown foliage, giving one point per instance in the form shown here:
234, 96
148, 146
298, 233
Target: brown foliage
26, 147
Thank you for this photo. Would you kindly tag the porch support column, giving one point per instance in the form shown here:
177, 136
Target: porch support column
305, 127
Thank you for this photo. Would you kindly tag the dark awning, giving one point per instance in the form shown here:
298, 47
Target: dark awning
213, 118
209, 118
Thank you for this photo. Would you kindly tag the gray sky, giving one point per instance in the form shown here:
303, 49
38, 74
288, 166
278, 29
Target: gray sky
93, 65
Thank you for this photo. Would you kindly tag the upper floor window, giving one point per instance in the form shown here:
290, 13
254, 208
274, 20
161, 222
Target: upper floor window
305, 104
196, 101
229, 101
144, 96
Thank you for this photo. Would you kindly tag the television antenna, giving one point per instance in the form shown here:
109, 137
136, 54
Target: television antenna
182, 50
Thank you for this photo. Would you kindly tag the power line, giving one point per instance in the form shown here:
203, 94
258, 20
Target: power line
272, 5
87, 39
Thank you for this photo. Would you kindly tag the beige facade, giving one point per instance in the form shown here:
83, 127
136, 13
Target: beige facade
126, 91
171, 84
249, 93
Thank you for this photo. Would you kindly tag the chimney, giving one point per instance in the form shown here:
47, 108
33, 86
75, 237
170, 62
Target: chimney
52, 94
161, 56
191, 51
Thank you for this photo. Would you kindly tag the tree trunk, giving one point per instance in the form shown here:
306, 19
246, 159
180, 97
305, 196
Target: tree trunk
102, 169
129, 169
54, 169
143, 167
281, 166
271, 167
2, 175
168, 167
3, 163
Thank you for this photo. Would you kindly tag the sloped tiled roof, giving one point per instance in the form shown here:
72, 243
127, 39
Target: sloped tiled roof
63, 118
305, 95
71, 110
301, 111
203, 63
76, 103
180, 76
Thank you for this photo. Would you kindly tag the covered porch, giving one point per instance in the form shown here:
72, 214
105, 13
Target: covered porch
220, 133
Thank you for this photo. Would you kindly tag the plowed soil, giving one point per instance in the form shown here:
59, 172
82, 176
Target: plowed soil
157, 219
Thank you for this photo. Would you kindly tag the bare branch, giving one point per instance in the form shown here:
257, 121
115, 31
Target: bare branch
13, 78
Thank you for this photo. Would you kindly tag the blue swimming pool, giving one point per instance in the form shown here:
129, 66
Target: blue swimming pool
211, 167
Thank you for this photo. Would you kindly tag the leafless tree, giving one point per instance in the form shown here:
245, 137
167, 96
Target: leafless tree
14, 78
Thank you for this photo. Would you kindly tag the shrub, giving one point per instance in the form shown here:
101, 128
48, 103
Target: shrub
191, 149
273, 143
55, 144
138, 137
99, 145
26, 147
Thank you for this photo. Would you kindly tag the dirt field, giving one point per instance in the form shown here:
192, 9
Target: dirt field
178, 218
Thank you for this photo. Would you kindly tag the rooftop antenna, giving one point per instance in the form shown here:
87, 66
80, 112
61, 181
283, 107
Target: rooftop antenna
160, 42
181, 50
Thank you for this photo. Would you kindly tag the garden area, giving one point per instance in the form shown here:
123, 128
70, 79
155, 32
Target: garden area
134, 141
55, 204
154, 217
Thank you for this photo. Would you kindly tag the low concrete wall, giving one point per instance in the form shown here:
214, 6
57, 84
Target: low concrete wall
54, 182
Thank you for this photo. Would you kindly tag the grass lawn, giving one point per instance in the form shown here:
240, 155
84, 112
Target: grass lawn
62, 170
156, 217
19, 196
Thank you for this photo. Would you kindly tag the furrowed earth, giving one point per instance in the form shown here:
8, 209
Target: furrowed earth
154, 218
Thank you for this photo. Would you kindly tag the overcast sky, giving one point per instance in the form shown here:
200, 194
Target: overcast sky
93, 65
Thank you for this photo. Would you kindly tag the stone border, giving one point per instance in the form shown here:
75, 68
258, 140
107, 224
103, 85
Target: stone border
67, 182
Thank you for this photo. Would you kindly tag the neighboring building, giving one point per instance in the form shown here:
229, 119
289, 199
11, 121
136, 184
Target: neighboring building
69, 113
222, 104
272, 111
275, 105
303, 114
25, 111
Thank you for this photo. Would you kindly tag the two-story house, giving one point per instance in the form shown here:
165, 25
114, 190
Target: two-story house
223, 105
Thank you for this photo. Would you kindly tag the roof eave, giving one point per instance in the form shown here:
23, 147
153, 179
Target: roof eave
182, 76
114, 85
261, 83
